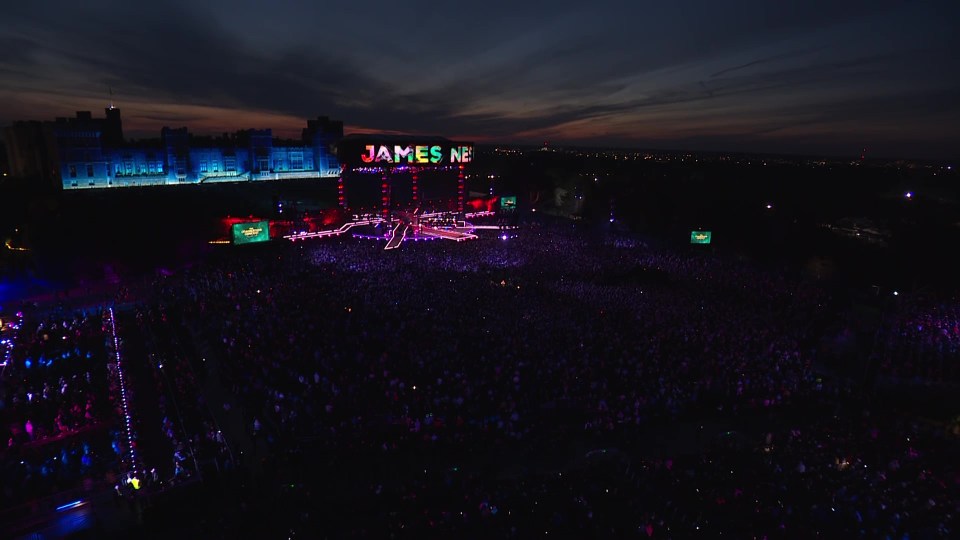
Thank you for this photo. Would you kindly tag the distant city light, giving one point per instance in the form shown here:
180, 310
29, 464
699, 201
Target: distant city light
503, 237
909, 195
895, 293
769, 206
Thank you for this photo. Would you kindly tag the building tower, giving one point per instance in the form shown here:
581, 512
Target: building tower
112, 128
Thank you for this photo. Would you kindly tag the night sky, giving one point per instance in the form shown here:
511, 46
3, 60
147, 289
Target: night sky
826, 77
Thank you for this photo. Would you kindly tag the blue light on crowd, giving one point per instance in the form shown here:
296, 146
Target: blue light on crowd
70, 505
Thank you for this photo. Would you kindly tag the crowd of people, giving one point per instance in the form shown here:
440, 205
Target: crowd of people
176, 429
444, 386
57, 406
557, 382
921, 340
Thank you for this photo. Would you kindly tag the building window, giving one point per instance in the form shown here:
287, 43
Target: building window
73, 171
230, 164
216, 166
118, 170
296, 160
203, 166
276, 164
89, 171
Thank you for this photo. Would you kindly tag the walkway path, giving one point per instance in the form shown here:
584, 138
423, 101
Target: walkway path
397, 235
230, 416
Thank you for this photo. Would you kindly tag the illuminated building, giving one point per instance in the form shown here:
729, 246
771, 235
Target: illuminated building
87, 152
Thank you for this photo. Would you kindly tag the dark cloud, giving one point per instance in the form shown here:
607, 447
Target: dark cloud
172, 118
752, 73
767, 60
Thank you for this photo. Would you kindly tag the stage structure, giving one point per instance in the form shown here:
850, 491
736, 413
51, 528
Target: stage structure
402, 160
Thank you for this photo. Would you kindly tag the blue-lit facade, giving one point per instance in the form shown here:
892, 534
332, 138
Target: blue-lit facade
92, 154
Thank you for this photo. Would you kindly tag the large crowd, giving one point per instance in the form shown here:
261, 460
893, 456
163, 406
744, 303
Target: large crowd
177, 423
456, 388
920, 339
58, 406
555, 383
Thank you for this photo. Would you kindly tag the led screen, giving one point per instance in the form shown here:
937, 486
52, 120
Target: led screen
700, 237
251, 232
363, 152
508, 204
420, 154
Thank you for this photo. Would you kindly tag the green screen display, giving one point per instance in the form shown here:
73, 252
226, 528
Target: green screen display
700, 237
508, 203
248, 233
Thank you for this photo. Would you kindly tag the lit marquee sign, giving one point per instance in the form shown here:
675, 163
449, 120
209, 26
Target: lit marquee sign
700, 237
248, 233
416, 154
